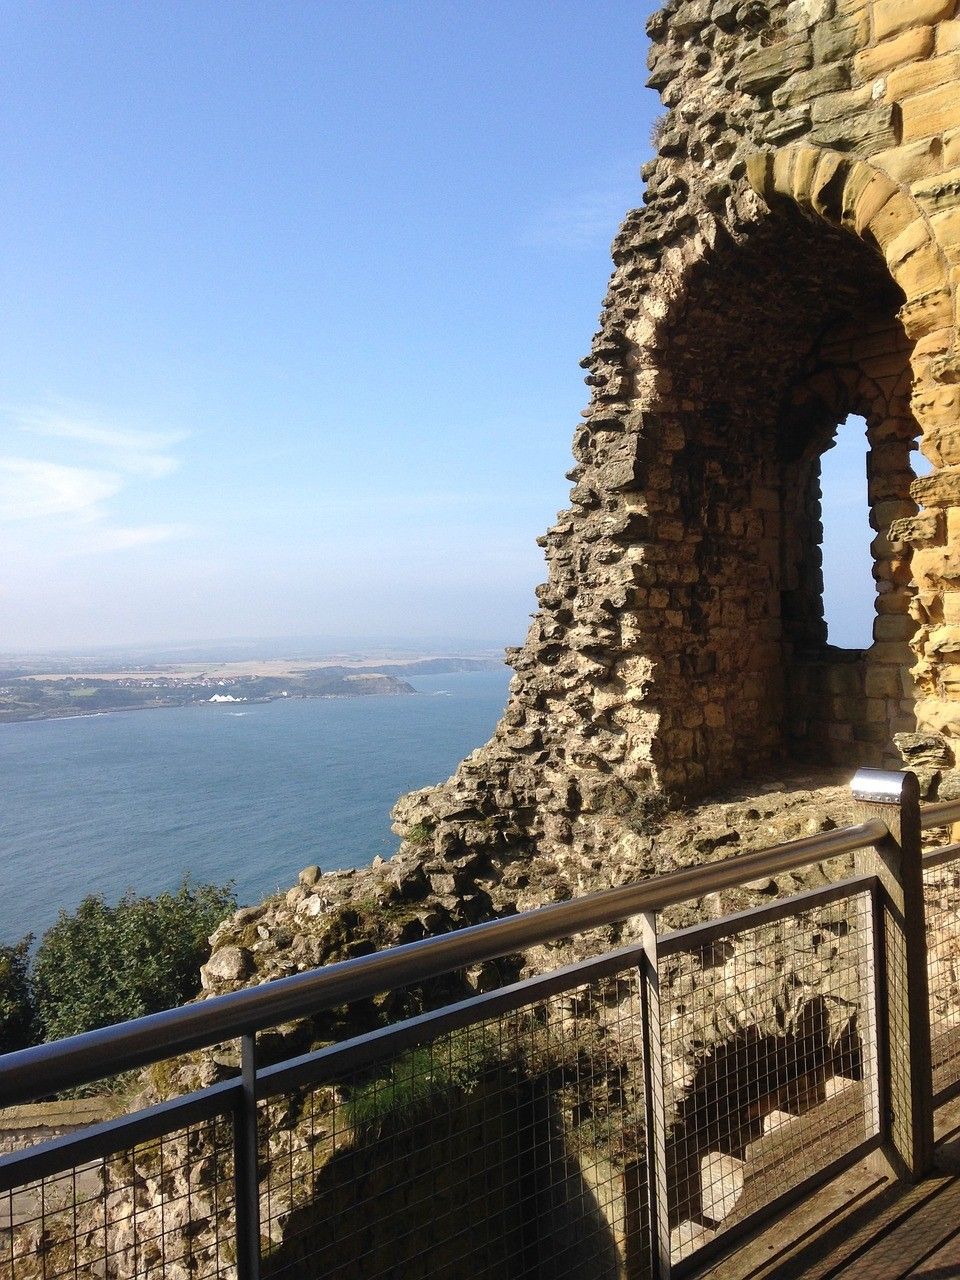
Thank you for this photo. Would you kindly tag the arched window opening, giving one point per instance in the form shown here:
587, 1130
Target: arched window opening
849, 589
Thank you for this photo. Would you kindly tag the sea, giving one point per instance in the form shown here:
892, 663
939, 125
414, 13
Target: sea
137, 799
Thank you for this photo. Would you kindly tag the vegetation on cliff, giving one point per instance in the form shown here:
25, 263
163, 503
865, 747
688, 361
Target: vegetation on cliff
103, 964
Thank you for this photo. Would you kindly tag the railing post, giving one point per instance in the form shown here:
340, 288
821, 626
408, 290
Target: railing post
903, 1002
655, 1126
246, 1179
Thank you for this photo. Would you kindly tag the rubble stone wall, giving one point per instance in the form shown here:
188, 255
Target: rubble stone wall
794, 261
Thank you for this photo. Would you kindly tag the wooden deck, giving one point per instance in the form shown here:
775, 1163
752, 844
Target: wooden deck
863, 1226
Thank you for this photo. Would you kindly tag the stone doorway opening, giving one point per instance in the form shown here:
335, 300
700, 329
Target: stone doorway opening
780, 339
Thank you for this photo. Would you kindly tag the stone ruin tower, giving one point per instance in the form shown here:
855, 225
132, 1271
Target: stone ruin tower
796, 260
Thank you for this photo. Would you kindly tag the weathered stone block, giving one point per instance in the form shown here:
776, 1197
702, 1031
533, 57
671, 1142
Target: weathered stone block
764, 69
918, 76
892, 626
945, 226
889, 221
916, 42
919, 530
874, 129
844, 105
940, 489
804, 85
939, 193
944, 640
927, 314
908, 162
920, 273
721, 1184
928, 114
841, 37
891, 16
882, 682
915, 236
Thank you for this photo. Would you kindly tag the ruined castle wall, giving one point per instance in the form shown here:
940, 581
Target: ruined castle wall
794, 261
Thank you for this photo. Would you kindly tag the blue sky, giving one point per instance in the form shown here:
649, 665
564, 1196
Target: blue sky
294, 296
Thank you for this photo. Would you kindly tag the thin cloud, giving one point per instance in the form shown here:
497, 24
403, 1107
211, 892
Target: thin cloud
35, 490
134, 452
70, 501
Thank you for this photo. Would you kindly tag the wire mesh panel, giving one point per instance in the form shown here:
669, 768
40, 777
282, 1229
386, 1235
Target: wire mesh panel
510, 1148
941, 885
769, 1077
162, 1209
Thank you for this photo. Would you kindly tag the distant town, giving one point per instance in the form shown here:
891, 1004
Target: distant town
39, 691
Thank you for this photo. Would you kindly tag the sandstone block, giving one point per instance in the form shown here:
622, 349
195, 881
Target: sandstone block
928, 114
939, 192
918, 76
940, 489
827, 185
951, 607
915, 42
944, 640
892, 16
922, 272
882, 682
885, 512
804, 85
844, 105
864, 196
893, 600
912, 161
840, 38
946, 229
939, 716
928, 313
890, 220
947, 445
874, 129
948, 36
893, 652
721, 1184
918, 530
764, 69
914, 236
923, 750
951, 149
892, 626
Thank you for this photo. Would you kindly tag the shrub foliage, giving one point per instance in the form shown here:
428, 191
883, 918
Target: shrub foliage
103, 963
16, 1007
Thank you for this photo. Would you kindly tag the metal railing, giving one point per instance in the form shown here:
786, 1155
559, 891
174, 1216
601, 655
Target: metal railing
627, 1115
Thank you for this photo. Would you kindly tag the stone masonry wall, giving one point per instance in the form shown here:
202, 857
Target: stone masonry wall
795, 260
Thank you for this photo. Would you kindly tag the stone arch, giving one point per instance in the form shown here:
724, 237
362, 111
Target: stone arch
855, 196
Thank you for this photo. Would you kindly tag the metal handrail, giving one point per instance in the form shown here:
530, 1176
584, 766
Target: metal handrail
62, 1064
940, 814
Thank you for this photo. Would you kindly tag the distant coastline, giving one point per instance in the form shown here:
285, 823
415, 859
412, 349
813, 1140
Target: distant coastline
68, 693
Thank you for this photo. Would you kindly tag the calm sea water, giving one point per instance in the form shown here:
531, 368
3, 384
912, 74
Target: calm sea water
97, 804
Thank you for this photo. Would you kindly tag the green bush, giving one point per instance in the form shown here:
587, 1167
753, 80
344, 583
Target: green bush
16, 1004
103, 964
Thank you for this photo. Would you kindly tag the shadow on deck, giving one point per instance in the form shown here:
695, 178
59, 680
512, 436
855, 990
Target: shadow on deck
865, 1226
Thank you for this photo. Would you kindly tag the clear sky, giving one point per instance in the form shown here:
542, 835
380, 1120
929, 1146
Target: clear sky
293, 300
